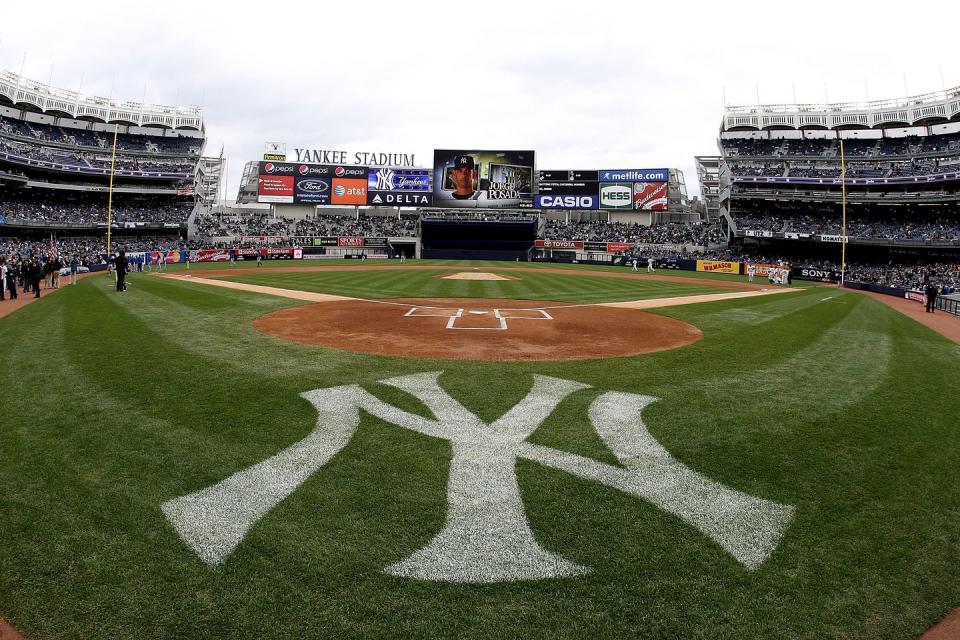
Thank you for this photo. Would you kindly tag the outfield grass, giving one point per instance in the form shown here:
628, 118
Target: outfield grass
115, 403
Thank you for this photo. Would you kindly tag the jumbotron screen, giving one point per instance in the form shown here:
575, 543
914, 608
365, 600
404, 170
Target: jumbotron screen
483, 179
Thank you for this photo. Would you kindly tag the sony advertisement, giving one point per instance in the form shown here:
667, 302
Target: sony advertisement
483, 179
387, 186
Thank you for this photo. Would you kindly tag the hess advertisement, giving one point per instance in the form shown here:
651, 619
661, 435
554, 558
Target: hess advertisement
483, 179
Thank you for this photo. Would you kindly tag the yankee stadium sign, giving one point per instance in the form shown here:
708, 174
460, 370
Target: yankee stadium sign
374, 158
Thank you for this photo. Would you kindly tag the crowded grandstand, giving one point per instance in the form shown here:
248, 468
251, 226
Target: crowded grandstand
791, 183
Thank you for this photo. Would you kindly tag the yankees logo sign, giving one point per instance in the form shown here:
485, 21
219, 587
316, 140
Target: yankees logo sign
486, 537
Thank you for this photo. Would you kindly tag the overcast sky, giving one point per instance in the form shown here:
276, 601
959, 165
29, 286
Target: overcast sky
588, 85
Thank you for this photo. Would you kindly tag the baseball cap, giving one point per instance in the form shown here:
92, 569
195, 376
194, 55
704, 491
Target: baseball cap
464, 161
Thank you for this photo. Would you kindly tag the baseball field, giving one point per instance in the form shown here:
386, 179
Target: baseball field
474, 450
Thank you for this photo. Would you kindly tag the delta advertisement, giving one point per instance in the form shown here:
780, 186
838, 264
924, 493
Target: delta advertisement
483, 179
391, 187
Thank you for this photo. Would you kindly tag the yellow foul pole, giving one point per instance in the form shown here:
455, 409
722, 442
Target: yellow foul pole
843, 234
113, 162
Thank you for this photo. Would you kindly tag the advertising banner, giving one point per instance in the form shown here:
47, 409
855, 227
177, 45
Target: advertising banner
818, 275
285, 253
167, 257
617, 247
650, 196
354, 241
718, 266
916, 296
210, 255
275, 189
559, 244
634, 175
315, 191
325, 242
551, 201
261, 238
387, 186
791, 235
824, 238
759, 270
349, 191
483, 179
616, 195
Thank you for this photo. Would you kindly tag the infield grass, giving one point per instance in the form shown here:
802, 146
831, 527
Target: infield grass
115, 403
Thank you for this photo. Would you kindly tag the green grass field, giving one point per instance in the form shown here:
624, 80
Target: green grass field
823, 400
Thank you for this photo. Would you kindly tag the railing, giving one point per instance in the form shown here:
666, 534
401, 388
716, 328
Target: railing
950, 305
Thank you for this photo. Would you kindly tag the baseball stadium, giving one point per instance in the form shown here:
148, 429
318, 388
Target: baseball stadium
283, 411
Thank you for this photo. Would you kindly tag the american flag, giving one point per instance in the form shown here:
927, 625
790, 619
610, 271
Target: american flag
53, 247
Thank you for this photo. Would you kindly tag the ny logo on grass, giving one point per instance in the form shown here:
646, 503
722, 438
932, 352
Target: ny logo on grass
486, 537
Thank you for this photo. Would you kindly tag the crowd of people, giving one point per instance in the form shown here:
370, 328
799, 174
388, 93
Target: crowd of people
907, 228
857, 148
91, 208
216, 228
164, 145
664, 233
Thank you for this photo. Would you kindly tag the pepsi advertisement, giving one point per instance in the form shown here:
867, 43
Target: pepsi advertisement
310, 184
483, 179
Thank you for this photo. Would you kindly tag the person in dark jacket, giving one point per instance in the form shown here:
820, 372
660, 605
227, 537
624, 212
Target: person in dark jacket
36, 276
932, 293
121, 267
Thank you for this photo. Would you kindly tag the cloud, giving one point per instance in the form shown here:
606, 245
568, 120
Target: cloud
617, 84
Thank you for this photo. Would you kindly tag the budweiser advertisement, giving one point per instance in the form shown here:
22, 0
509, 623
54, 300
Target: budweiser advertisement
650, 196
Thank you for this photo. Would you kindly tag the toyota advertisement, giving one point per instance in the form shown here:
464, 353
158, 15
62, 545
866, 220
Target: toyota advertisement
483, 179
391, 187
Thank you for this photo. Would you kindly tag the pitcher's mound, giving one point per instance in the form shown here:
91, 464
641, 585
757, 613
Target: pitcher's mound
478, 329
474, 275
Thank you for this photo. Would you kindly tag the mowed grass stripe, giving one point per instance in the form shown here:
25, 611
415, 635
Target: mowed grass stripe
863, 444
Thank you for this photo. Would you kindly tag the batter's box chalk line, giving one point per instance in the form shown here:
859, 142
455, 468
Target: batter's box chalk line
500, 316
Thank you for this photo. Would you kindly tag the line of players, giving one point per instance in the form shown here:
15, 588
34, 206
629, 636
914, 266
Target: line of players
779, 274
